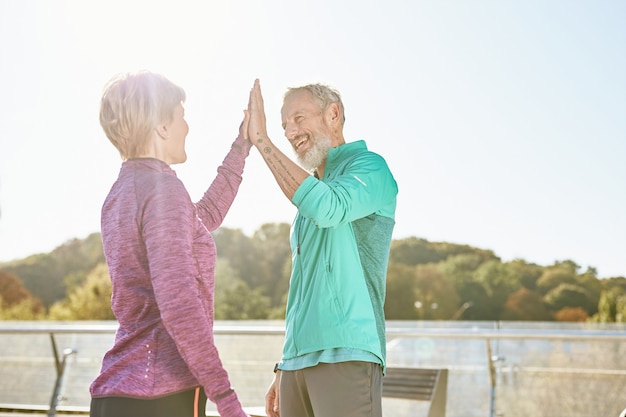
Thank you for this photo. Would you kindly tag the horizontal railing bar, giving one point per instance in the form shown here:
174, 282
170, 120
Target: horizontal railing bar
509, 334
112, 328
482, 334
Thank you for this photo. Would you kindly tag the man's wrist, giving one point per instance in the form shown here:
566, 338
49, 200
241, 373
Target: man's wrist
260, 141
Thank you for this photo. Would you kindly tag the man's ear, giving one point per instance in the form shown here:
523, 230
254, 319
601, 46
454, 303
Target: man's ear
333, 114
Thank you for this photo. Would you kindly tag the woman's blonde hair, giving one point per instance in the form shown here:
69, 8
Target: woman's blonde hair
132, 106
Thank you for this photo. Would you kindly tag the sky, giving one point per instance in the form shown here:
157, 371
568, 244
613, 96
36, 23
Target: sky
503, 122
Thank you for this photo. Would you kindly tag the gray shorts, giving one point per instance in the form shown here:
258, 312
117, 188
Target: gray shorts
345, 389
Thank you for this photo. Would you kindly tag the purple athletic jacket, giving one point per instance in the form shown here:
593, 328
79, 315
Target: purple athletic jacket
161, 259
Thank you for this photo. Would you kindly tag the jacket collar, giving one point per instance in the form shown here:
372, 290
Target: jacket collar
338, 154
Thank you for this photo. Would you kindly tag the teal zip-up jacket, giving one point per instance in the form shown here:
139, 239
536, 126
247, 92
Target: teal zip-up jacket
340, 244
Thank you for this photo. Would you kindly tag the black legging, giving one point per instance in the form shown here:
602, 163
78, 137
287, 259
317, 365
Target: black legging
175, 405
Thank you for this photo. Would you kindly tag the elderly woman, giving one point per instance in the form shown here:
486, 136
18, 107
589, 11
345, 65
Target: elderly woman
161, 259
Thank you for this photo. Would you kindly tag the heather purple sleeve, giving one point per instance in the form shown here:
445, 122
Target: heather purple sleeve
216, 202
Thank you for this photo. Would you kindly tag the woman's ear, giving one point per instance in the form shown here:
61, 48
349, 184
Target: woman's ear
162, 131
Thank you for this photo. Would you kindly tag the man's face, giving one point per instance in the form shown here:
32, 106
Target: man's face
306, 129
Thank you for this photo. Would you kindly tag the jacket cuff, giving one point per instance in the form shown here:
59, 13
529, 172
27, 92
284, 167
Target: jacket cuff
242, 145
228, 404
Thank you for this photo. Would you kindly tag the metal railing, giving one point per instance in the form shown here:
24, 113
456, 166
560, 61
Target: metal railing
489, 335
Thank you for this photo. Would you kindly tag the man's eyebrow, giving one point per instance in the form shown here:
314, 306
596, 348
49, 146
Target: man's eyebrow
295, 114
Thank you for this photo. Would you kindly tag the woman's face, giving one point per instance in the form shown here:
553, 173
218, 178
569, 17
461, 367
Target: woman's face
175, 143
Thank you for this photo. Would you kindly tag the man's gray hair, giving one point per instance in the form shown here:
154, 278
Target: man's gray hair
323, 94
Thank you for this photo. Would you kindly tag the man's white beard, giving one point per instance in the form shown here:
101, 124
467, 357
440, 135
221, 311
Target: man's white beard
314, 157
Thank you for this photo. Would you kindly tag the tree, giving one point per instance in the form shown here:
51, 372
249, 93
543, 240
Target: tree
26, 309
401, 292
253, 274
459, 269
242, 303
89, 301
234, 299
620, 308
44, 274
240, 252
413, 251
526, 273
554, 276
475, 293
571, 314
525, 304
605, 312
16, 301
12, 290
611, 305
569, 295
593, 287
436, 296
499, 282
274, 261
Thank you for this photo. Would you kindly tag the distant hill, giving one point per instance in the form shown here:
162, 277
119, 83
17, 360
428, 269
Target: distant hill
48, 276
425, 280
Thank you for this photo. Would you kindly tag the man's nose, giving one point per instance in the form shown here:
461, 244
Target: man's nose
291, 130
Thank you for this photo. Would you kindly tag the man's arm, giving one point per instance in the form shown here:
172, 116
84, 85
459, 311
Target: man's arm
287, 173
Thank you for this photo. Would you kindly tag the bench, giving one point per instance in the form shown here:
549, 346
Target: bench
419, 384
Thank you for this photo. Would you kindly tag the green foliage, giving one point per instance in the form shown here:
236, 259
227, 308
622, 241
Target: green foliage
401, 292
89, 301
499, 282
234, 300
43, 274
242, 303
612, 303
425, 280
620, 308
554, 276
436, 296
475, 294
240, 252
25, 309
526, 274
569, 295
460, 268
414, 251
274, 264
605, 312
262, 263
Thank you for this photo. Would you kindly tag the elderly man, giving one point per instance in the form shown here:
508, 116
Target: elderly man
334, 352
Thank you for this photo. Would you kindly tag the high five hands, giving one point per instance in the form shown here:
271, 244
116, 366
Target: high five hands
257, 129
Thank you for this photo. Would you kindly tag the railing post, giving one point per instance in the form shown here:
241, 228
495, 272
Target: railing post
492, 381
60, 368
492, 359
